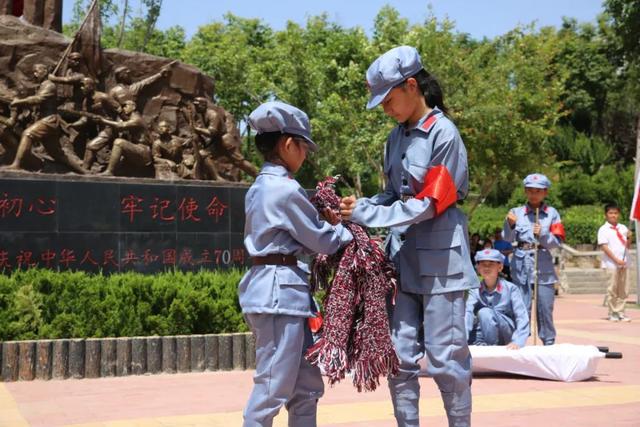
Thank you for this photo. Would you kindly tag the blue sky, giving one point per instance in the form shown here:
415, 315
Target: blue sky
478, 18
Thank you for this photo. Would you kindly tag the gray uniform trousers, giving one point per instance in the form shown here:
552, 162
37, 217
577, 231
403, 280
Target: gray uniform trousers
283, 376
444, 339
493, 328
544, 315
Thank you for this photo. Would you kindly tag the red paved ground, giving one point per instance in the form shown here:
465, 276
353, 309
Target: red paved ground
217, 398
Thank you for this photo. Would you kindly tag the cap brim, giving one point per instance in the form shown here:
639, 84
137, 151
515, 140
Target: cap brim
376, 99
312, 145
536, 185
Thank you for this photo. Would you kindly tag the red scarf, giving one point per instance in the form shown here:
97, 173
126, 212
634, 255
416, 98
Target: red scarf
620, 236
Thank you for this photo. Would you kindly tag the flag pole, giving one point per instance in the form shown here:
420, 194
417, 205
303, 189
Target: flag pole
633, 213
635, 222
533, 318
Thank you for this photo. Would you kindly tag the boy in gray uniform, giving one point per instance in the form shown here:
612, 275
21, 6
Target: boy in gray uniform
495, 313
281, 223
530, 237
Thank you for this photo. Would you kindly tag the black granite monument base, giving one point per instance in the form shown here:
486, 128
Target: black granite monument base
119, 224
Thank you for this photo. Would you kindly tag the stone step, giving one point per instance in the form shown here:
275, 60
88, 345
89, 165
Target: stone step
591, 280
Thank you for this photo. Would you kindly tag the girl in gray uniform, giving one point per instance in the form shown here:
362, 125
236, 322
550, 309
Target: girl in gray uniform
281, 223
426, 169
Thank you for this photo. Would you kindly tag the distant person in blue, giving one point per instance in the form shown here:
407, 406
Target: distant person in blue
531, 236
425, 163
281, 224
495, 314
505, 248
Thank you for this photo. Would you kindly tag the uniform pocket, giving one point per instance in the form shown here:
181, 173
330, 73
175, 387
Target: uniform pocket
418, 172
257, 291
292, 289
440, 253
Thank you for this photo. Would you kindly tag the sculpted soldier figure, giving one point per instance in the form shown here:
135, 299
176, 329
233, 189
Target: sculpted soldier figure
210, 123
167, 153
132, 146
72, 77
230, 146
13, 121
125, 89
96, 103
47, 129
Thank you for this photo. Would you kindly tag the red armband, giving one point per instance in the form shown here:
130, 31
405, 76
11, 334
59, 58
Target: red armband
439, 186
557, 229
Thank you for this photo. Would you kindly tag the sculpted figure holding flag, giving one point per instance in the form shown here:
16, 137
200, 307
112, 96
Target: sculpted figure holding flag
425, 163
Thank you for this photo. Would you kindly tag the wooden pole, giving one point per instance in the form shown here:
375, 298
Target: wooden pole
534, 305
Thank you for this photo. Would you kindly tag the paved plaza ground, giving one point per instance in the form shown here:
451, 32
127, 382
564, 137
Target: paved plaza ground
216, 398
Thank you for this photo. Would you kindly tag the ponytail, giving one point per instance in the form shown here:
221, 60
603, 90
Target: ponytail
431, 90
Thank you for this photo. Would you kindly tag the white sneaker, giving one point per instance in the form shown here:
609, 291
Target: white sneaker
614, 318
624, 318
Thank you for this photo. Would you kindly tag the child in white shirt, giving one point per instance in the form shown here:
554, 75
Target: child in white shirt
613, 239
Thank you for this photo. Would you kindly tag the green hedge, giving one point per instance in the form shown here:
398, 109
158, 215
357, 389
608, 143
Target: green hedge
50, 304
485, 219
581, 223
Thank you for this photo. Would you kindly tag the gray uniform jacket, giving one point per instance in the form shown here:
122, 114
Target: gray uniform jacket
430, 252
522, 263
281, 220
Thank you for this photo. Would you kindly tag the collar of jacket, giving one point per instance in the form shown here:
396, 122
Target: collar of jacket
425, 122
497, 288
543, 208
269, 168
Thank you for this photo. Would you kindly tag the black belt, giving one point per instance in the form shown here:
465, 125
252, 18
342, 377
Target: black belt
274, 259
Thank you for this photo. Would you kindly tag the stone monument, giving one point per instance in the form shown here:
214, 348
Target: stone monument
111, 160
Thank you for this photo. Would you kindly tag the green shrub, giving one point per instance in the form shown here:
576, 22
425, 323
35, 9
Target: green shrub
581, 223
50, 304
578, 188
485, 219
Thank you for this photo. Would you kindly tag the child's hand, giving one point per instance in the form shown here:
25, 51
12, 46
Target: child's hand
536, 229
346, 206
512, 218
513, 346
330, 216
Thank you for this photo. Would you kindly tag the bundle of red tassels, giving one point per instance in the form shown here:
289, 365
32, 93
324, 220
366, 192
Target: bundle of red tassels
355, 335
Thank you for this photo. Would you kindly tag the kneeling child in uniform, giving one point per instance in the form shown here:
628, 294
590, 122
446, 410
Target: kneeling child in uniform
495, 313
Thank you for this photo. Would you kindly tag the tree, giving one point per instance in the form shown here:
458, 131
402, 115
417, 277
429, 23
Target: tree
509, 108
138, 33
624, 17
625, 20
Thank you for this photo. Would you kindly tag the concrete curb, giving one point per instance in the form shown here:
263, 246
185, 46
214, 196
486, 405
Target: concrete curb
108, 357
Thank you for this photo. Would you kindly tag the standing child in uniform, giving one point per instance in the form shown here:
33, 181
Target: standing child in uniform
496, 314
613, 239
531, 236
425, 164
281, 223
